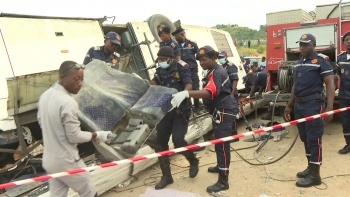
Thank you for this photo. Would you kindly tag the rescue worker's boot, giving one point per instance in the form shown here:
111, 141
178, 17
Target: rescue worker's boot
304, 173
213, 169
346, 148
312, 179
191, 158
166, 178
222, 184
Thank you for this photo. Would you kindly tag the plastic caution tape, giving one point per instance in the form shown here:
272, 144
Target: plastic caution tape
168, 152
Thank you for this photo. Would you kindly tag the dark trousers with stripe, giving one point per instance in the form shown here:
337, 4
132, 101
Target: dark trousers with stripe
224, 129
345, 118
311, 132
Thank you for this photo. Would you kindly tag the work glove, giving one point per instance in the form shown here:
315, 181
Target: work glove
248, 97
102, 136
179, 97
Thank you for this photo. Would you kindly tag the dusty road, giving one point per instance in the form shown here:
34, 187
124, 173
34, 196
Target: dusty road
254, 180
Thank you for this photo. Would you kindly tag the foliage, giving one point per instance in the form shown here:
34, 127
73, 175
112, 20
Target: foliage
251, 51
243, 33
246, 51
261, 49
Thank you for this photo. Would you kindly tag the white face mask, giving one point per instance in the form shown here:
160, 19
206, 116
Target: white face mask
164, 65
222, 60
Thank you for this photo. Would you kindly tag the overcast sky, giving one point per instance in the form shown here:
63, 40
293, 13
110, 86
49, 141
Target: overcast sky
250, 13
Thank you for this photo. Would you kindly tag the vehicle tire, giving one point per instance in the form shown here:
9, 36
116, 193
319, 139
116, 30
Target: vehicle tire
155, 20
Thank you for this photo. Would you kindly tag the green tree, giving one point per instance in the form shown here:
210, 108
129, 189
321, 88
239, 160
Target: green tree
243, 33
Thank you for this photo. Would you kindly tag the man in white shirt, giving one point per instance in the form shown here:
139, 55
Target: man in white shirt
58, 119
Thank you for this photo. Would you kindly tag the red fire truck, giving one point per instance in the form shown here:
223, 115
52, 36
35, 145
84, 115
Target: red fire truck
327, 23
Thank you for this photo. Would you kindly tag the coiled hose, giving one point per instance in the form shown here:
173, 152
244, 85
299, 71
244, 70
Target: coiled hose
283, 79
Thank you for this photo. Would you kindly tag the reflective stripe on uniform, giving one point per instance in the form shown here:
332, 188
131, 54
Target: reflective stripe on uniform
318, 163
233, 74
313, 65
225, 81
327, 71
223, 168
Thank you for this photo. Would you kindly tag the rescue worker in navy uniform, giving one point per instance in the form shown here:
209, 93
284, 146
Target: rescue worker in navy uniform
259, 80
232, 72
106, 53
188, 50
164, 34
247, 81
217, 98
173, 75
343, 72
246, 65
310, 72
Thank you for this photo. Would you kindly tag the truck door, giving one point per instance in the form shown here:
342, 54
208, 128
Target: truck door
326, 40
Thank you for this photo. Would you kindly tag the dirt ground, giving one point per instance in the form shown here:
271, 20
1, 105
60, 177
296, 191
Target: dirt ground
254, 180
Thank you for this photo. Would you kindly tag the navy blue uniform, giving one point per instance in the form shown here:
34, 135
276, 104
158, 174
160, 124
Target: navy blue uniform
343, 64
218, 83
171, 43
309, 100
246, 67
175, 122
232, 72
259, 79
188, 51
98, 53
247, 81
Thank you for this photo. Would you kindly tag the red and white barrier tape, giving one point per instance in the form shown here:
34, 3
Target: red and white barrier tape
168, 152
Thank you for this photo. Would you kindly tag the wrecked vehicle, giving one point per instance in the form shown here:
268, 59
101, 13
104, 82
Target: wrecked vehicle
109, 100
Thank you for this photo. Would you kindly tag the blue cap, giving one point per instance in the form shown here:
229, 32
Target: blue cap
114, 37
203, 51
166, 51
306, 38
163, 28
222, 53
346, 34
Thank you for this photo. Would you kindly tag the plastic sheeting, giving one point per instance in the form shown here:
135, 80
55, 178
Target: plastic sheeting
106, 94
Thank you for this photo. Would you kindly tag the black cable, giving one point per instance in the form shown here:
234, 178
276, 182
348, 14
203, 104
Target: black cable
270, 133
271, 162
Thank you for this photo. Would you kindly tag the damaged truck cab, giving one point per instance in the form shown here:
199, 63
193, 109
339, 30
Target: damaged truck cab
31, 51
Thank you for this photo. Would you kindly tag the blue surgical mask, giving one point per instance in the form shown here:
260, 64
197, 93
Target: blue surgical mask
164, 65
222, 60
